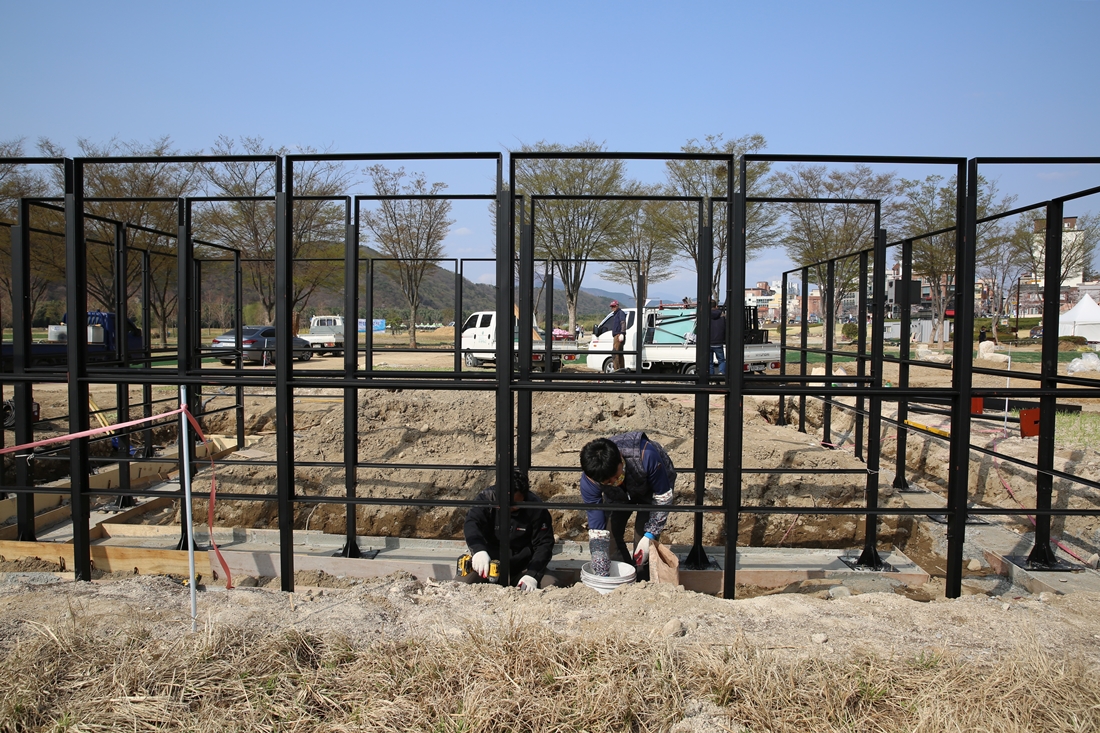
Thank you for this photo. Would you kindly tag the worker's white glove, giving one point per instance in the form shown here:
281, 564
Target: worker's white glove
481, 563
641, 551
527, 583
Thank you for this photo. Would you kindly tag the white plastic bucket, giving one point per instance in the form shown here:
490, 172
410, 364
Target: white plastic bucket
620, 573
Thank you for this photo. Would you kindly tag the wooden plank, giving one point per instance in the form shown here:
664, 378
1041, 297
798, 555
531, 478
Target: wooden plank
109, 558
8, 508
119, 531
45, 519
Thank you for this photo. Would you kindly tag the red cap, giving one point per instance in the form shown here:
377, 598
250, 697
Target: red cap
614, 304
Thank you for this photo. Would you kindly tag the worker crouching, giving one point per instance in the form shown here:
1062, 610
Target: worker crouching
530, 538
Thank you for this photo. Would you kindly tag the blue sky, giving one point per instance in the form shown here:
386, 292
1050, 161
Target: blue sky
977, 78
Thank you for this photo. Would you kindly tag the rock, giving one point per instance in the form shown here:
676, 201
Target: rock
819, 638
1006, 606
674, 627
1046, 597
974, 565
425, 428
1093, 561
561, 435
839, 591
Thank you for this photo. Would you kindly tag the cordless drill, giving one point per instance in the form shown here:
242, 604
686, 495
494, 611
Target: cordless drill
465, 567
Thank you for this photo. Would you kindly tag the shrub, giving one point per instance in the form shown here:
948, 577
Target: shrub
1075, 340
850, 331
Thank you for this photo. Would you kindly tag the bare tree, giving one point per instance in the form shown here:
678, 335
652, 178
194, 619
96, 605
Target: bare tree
249, 225
1000, 263
16, 182
709, 179
816, 232
569, 232
931, 207
645, 249
409, 226
132, 188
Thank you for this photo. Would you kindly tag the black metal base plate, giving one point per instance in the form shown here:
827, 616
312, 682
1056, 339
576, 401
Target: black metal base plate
1021, 561
942, 519
853, 563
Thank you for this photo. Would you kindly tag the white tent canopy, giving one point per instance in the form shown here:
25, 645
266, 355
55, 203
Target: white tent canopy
1082, 319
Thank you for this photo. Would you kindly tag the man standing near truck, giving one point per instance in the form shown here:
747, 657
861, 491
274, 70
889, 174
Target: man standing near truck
717, 339
617, 325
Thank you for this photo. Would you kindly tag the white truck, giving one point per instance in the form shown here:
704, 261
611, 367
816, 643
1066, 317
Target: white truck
668, 344
326, 335
479, 343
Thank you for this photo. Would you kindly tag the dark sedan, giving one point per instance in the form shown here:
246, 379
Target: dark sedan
257, 345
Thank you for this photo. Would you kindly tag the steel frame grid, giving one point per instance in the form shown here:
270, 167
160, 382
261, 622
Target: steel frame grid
285, 380
1042, 555
700, 386
518, 388
869, 557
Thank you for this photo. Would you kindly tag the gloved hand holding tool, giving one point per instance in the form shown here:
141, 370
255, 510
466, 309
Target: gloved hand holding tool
641, 549
480, 563
527, 583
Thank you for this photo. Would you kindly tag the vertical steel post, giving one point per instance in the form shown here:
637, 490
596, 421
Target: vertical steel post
76, 301
697, 558
147, 346
238, 315
459, 318
1042, 554
368, 311
870, 557
351, 362
733, 444
781, 418
861, 351
827, 343
284, 402
548, 286
803, 340
900, 480
185, 253
962, 373
122, 353
525, 339
505, 453
21, 349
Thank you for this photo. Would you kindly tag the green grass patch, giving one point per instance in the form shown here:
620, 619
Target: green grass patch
1077, 430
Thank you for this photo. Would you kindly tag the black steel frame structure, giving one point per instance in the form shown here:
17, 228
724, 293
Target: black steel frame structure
957, 400
513, 383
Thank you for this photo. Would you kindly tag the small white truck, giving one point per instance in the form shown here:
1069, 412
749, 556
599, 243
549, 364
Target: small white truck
326, 335
479, 339
668, 344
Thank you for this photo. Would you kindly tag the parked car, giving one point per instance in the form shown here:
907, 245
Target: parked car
1036, 332
256, 343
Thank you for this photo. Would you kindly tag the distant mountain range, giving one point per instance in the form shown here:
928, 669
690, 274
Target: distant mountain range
438, 288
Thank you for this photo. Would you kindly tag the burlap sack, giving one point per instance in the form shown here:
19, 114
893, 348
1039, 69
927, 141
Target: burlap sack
664, 566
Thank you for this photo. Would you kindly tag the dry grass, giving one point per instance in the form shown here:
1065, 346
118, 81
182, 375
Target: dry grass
141, 677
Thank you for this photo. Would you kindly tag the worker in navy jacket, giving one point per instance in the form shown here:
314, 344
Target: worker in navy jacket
530, 537
625, 469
